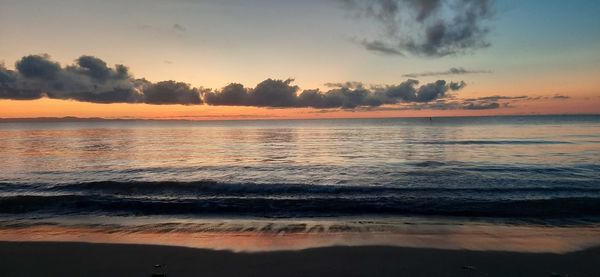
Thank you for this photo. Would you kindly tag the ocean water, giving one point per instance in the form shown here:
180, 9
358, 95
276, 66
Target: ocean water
517, 169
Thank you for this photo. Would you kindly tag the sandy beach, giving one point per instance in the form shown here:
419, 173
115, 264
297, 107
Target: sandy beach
90, 259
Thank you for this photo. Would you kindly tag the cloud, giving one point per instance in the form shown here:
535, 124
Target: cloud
90, 79
349, 84
441, 104
268, 93
498, 97
233, 94
349, 95
451, 71
554, 97
481, 106
171, 92
273, 93
489, 102
346, 98
175, 30
481, 103
179, 27
38, 67
381, 47
425, 27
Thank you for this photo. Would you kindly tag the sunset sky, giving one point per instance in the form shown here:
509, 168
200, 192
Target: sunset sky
514, 57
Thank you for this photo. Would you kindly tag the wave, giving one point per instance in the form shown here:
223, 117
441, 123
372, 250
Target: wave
298, 200
273, 207
213, 188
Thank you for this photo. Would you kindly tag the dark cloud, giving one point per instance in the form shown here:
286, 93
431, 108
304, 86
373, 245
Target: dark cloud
349, 95
555, 97
19, 94
435, 90
231, 95
268, 93
426, 27
442, 104
11, 88
171, 92
38, 66
408, 92
481, 106
451, 71
98, 70
490, 102
90, 79
344, 97
273, 93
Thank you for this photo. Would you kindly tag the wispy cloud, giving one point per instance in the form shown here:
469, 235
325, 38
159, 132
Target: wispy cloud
172, 30
451, 71
498, 97
179, 27
561, 97
381, 47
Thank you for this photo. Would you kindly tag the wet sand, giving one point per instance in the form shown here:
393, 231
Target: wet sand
282, 235
91, 259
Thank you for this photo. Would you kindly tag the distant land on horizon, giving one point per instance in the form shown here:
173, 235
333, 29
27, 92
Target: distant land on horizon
96, 119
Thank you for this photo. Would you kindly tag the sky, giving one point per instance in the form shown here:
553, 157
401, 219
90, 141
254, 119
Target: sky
235, 59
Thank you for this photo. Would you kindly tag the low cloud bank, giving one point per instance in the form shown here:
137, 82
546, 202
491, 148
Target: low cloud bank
281, 93
90, 79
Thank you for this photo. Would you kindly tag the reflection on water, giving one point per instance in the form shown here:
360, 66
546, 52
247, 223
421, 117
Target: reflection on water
324, 152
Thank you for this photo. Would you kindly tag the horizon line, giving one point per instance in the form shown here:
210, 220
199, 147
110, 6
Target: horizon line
91, 119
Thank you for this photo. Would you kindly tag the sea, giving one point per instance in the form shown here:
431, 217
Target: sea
282, 176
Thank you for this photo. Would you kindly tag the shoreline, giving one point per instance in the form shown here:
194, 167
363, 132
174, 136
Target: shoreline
101, 259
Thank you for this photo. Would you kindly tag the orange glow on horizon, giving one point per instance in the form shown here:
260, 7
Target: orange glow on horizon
64, 108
